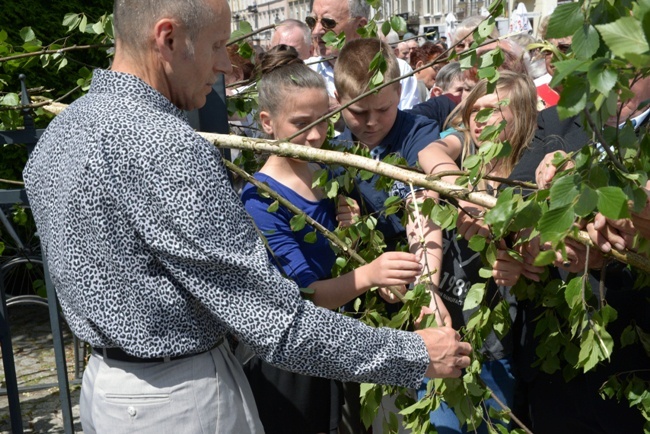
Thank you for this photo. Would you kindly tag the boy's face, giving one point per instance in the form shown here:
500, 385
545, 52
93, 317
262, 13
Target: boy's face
371, 119
456, 87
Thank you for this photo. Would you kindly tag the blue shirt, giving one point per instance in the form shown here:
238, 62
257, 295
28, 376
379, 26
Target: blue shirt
301, 261
408, 136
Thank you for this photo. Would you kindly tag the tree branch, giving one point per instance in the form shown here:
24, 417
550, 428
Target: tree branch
291, 150
60, 50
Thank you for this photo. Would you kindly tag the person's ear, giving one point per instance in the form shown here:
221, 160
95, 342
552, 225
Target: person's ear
362, 22
267, 122
336, 95
419, 64
165, 37
436, 91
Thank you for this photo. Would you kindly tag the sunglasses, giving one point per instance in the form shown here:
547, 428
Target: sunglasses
327, 23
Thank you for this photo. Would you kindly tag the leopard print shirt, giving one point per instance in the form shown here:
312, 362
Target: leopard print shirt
151, 250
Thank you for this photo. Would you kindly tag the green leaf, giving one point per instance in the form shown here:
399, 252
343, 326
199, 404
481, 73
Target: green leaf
573, 98
62, 63
485, 273
624, 36
499, 217
83, 23
98, 28
10, 99
573, 292
567, 68
385, 28
486, 27
564, 191
601, 77
311, 237
565, 21
644, 338
474, 296
585, 42
297, 222
398, 24
273, 207
71, 20
27, 34
612, 203
477, 243
332, 190
555, 223
546, 257
587, 201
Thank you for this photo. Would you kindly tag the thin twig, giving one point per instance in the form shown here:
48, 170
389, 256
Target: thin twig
248, 35
297, 211
619, 165
423, 246
512, 182
9, 181
505, 408
60, 50
42, 103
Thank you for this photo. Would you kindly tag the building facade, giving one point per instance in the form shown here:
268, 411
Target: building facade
429, 17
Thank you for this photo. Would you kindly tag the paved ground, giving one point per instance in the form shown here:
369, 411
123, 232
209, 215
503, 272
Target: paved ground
34, 358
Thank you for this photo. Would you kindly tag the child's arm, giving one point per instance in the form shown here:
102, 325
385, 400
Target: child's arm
441, 156
390, 269
425, 240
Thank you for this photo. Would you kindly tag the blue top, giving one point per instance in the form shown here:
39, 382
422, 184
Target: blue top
408, 136
298, 259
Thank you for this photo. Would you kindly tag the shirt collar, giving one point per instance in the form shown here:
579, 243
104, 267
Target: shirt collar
131, 87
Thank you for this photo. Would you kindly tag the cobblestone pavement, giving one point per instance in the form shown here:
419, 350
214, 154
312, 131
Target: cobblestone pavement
34, 358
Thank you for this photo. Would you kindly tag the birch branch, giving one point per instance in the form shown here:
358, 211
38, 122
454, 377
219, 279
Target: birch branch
407, 176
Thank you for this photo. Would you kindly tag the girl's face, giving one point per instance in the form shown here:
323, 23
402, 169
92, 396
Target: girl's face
301, 107
499, 113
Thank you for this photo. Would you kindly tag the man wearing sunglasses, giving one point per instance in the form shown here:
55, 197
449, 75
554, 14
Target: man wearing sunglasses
347, 16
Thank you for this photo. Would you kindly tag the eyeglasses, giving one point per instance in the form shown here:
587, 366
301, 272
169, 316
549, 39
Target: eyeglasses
327, 23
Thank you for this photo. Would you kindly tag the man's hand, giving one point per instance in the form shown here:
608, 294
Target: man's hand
447, 354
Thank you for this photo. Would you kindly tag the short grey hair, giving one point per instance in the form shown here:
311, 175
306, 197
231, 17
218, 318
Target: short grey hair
468, 25
290, 23
133, 19
447, 74
359, 8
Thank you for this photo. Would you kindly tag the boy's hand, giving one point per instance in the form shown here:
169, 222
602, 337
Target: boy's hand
347, 211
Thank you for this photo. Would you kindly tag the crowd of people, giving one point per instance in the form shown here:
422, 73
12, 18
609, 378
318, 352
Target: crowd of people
159, 265
392, 122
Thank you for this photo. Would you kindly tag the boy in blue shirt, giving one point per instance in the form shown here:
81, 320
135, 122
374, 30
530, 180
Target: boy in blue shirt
376, 122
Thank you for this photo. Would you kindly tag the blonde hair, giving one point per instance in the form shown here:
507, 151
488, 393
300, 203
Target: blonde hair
352, 72
520, 90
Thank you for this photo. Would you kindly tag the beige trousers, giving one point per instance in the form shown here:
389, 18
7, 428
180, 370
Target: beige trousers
206, 393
